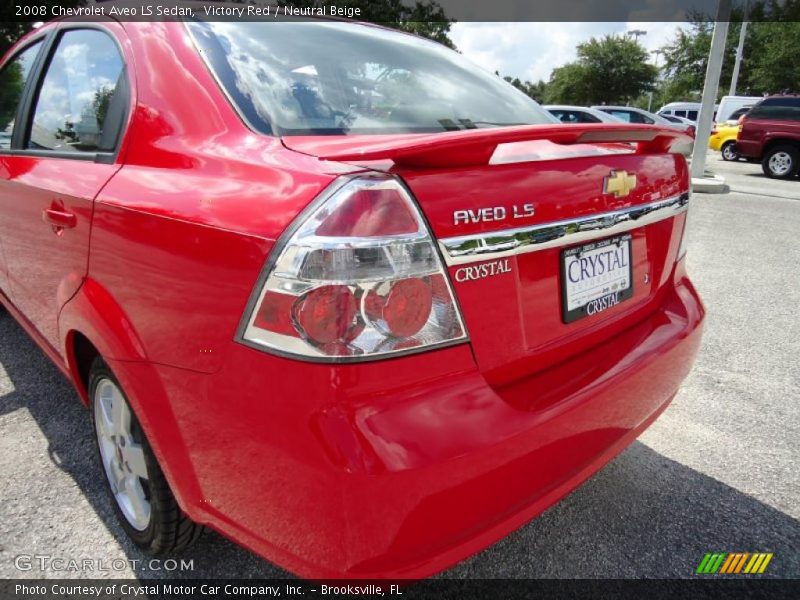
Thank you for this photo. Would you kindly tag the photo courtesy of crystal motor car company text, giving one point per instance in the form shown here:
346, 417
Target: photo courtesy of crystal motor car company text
325, 288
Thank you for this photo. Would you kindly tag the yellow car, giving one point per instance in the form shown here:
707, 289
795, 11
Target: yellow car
723, 139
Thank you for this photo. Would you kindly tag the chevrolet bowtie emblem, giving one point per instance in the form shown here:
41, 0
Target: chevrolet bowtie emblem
619, 183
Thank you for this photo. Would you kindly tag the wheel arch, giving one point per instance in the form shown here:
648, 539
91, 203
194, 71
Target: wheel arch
772, 142
92, 325
80, 353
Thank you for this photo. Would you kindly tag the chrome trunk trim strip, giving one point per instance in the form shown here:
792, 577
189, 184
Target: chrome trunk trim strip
499, 244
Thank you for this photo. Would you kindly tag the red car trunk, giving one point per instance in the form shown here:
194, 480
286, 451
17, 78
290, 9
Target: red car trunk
506, 180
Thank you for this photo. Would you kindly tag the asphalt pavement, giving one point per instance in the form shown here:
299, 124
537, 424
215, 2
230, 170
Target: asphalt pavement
717, 472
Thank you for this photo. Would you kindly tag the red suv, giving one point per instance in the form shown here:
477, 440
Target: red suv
770, 132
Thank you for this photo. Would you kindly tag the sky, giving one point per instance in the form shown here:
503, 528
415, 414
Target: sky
532, 50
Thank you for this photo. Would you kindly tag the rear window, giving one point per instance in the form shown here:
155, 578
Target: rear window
300, 78
784, 109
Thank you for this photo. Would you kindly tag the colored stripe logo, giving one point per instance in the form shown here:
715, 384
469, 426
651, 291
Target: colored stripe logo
733, 563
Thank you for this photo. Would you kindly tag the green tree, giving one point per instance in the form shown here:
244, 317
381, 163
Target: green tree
535, 91
609, 70
776, 66
685, 60
569, 85
769, 62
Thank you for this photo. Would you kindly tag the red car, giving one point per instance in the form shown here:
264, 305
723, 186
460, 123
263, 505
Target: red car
331, 290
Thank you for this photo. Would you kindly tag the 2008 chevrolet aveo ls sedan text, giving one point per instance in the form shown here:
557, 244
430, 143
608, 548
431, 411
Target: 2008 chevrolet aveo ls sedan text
332, 291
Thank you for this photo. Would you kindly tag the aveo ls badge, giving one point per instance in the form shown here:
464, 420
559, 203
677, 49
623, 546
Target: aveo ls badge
492, 214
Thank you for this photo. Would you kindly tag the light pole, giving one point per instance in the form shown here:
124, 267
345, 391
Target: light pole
739, 52
636, 33
658, 77
710, 88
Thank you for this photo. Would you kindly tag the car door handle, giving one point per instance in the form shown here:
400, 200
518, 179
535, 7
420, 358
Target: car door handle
59, 219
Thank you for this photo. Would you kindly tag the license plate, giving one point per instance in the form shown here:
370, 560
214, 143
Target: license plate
595, 277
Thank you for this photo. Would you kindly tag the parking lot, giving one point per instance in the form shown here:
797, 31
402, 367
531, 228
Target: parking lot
717, 472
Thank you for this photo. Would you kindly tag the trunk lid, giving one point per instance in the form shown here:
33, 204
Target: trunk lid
510, 207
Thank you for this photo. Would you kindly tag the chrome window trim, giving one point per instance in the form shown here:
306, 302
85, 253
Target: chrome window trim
500, 244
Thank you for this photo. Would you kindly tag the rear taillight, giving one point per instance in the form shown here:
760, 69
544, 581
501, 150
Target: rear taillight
357, 277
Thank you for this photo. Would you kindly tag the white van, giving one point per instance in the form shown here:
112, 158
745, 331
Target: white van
730, 104
685, 110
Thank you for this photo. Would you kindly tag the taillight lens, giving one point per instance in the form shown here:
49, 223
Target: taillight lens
357, 277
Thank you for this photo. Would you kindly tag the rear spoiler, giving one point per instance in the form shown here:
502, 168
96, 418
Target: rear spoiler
476, 146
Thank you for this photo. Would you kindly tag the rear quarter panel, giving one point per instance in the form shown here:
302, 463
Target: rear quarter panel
181, 232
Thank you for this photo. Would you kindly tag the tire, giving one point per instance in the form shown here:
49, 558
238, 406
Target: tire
140, 495
781, 162
729, 152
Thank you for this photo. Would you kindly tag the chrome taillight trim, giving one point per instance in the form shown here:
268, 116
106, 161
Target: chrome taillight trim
499, 244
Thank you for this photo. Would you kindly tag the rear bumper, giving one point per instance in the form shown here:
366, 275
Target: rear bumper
402, 468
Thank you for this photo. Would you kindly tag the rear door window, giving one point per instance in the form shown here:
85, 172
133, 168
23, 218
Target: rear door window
13, 79
77, 94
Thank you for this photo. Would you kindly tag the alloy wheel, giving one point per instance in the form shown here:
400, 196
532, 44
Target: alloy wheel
780, 163
729, 153
121, 454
